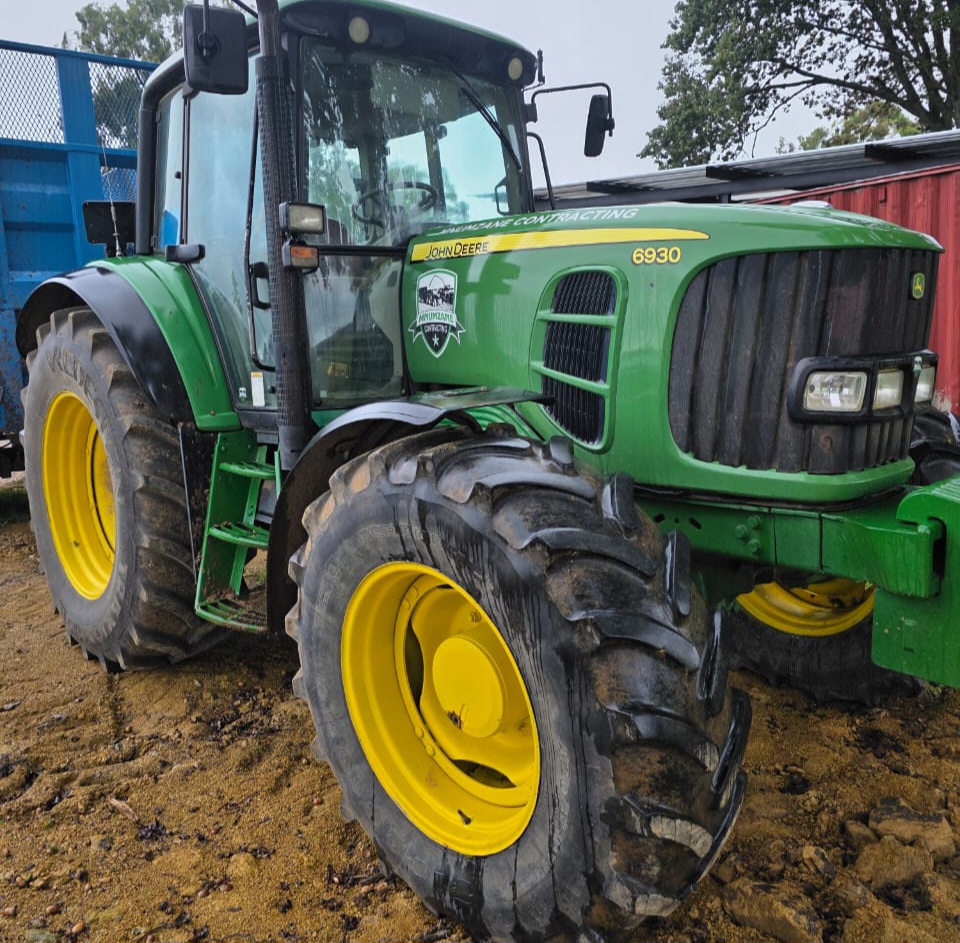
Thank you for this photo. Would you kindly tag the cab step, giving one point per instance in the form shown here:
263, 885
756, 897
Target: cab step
241, 534
260, 470
234, 614
232, 537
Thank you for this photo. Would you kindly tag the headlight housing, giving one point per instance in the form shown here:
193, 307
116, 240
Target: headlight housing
888, 390
926, 383
852, 389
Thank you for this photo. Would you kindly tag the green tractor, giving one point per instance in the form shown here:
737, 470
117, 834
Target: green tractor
516, 478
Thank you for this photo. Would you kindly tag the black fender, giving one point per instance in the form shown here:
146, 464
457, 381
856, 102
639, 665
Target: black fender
128, 320
352, 434
934, 446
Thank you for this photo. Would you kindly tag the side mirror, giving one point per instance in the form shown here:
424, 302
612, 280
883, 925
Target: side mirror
599, 124
215, 50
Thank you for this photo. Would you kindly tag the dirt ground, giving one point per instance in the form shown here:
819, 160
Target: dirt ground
184, 805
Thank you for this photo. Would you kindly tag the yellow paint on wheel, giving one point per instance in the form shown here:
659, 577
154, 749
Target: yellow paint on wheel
440, 708
818, 609
78, 494
468, 685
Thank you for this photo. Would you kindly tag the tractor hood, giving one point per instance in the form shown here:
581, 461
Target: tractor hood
619, 225
599, 307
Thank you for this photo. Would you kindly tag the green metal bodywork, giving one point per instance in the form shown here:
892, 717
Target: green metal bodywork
919, 636
866, 543
864, 525
506, 271
166, 289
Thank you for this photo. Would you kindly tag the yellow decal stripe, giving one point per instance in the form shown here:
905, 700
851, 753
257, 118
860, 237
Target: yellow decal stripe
548, 239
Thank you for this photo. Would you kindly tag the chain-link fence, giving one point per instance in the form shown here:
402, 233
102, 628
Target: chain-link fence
116, 102
37, 84
31, 99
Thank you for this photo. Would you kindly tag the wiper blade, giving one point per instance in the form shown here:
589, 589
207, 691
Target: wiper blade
487, 116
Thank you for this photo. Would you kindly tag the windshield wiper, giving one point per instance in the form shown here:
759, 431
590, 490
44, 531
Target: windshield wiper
487, 116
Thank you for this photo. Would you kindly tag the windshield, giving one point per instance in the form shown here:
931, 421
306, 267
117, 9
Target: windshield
393, 148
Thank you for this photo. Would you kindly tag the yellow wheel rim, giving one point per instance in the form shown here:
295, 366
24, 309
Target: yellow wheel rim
818, 609
440, 708
78, 492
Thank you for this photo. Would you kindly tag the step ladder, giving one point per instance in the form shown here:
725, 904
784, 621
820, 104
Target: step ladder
227, 592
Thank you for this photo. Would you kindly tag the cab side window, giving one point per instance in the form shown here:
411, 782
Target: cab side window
202, 197
169, 176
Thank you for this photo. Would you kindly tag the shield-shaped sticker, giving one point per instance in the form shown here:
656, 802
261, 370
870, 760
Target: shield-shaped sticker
436, 320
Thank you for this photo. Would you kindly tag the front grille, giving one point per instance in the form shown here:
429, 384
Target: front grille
744, 323
579, 350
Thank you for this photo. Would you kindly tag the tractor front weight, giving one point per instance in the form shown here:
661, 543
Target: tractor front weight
917, 635
901, 545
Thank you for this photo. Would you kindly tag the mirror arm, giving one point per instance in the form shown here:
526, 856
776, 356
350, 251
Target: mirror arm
610, 123
207, 43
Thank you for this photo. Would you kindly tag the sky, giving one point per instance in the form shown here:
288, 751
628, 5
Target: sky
613, 41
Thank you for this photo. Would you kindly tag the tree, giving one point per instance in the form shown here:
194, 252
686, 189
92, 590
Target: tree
148, 30
875, 121
734, 64
144, 29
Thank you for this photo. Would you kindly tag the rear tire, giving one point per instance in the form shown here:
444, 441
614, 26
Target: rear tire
628, 780
107, 501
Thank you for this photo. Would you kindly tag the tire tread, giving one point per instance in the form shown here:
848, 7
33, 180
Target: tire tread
565, 527
156, 623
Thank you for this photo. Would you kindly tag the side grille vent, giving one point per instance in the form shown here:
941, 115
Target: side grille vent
579, 350
585, 293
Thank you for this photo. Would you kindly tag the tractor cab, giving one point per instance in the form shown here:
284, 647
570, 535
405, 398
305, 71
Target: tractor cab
400, 123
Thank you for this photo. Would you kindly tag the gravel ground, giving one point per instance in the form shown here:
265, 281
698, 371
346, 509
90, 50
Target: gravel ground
184, 805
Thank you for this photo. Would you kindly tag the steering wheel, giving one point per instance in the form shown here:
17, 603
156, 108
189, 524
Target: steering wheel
427, 202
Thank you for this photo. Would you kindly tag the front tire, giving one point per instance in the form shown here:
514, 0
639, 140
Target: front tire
817, 638
107, 501
525, 707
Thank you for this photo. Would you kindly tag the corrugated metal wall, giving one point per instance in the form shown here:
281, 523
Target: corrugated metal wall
928, 202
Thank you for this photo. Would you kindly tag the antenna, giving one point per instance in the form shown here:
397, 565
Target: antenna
108, 193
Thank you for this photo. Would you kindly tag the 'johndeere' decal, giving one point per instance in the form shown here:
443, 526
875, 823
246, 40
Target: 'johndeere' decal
436, 319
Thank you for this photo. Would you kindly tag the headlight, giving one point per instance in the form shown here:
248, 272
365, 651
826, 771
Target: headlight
303, 217
926, 382
835, 391
858, 389
889, 390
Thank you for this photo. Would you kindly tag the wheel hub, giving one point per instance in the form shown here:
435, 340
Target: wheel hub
817, 609
440, 708
469, 686
78, 493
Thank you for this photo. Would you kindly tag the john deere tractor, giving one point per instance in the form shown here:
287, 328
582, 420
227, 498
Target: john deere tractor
513, 475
